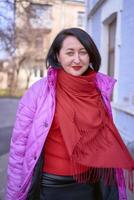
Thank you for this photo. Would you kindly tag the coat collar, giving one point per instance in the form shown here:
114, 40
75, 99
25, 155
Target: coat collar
104, 82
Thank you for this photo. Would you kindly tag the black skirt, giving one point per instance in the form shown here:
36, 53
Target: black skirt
55, 187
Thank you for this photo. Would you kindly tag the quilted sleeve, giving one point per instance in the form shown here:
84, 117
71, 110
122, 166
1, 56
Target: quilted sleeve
24, 118
17, 149
110, 86
106, 84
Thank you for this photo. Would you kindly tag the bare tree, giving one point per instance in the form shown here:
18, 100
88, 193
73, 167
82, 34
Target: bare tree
9, 39
7, 26
18, 37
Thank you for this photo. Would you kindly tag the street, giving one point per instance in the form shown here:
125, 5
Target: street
7, 116
5, 135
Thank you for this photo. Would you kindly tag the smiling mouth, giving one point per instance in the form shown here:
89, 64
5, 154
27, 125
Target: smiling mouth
76, 67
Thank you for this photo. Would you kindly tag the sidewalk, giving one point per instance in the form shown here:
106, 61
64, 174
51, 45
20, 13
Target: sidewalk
3, 174
7, 111
7, 117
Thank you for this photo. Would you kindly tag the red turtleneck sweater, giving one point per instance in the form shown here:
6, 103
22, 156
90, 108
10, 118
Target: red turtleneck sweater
56, 158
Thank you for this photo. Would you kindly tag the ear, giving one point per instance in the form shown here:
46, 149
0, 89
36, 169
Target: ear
58, 59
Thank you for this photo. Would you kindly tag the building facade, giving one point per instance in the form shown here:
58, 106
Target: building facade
36, 24
111, 25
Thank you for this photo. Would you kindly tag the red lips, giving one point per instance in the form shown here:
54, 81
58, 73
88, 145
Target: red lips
76, 67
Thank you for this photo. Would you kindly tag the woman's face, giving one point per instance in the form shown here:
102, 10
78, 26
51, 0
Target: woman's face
73, 56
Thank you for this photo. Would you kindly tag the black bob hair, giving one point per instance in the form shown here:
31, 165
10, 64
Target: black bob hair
85, 40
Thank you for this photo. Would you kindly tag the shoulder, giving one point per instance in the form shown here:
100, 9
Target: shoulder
34, 92
105, 79
105, 83
38, 85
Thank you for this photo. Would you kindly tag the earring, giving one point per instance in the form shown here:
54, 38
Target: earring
91, 66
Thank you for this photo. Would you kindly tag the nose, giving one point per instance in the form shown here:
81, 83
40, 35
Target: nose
76, 58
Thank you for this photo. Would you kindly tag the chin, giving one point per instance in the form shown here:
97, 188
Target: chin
78, 73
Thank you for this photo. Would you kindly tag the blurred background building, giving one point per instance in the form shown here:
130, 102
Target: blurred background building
36, 22
111, 24
27, 28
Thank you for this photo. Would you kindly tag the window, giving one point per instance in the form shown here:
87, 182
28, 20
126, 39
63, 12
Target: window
111, 48
35, 72
41, 73
38, 72
40, 16
80, 19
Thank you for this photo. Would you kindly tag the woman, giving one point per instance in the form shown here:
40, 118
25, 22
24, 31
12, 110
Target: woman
64, 143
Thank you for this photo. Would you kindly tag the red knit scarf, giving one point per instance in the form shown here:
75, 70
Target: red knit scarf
90, 136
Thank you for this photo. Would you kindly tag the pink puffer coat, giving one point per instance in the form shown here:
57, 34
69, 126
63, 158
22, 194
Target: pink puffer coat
33, 121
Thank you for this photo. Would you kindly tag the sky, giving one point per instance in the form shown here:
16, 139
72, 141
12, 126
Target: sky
6, 16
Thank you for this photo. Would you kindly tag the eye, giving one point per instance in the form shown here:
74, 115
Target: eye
83, 52
70, 53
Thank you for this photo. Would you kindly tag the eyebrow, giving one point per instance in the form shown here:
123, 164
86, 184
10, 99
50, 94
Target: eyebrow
73, 49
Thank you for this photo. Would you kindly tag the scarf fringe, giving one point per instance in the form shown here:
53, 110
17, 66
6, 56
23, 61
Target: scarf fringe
85, 174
